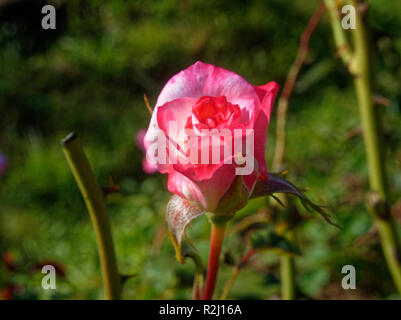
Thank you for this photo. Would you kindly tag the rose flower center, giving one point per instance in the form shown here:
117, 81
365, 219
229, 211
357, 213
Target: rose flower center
214, 112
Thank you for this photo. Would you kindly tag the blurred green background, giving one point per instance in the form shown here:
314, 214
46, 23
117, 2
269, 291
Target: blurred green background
90, 74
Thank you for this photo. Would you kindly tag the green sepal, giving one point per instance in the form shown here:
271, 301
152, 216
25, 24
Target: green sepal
276, 184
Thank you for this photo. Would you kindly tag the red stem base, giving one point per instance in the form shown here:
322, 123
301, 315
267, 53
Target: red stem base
216, 242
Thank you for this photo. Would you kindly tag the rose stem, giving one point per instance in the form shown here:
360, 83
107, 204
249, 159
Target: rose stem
216, 242
95, 204
360, 67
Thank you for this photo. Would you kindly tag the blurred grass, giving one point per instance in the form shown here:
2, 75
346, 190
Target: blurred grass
90, 74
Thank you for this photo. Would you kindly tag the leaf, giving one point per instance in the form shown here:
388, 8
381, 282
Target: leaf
276, 184
267, 239
179, 213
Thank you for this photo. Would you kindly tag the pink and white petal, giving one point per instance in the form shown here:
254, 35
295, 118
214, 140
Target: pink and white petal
202, 79
206, 171
175, 112
207, 192
178, 111
198, 173
151, 142
182, 186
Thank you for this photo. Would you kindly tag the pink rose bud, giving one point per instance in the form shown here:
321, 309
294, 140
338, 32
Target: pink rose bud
197, 103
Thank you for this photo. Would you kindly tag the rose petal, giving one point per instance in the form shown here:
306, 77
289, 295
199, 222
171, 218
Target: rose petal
267, 94
202, 79
206, 192
178, 110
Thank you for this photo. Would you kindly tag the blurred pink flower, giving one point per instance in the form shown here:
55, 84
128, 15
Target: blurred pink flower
3, 163
139, 140
140, 135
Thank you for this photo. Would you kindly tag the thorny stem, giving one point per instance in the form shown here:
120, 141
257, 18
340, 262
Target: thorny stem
377, 199
372, 136
340, 39
216, 243
94, 201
